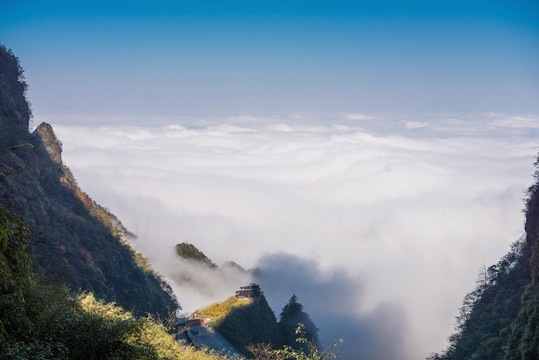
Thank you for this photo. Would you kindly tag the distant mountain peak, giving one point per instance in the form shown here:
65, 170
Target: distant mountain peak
190, 252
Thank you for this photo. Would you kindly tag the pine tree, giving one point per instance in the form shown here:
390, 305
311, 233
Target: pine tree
291, 317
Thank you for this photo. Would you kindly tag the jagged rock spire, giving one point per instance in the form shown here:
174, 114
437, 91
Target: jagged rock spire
45, 134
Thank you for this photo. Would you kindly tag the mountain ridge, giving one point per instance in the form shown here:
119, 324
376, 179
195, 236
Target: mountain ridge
499, 318
80, 243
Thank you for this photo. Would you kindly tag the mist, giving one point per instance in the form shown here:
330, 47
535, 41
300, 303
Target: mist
334, 300
399, 210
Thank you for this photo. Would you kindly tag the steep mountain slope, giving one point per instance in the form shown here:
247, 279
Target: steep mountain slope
250, 324
249, 321
499, 319
524, 340
191, 253
79, 244
40, 321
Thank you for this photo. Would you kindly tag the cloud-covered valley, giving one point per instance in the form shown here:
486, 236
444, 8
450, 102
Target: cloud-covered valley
378, 223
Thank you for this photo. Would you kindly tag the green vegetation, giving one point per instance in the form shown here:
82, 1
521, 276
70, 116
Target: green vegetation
190, 252
489, 311
79, 244
524, 338
59, 290
221, 309
499, 319
291, 317
43, 321
14, 109
307, 349
250, 324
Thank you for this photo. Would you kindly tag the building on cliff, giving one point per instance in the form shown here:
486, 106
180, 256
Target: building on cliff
251, 291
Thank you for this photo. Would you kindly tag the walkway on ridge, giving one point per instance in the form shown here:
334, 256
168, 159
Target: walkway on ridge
206, 337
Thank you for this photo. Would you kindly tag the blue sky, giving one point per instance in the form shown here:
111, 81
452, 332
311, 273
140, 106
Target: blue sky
235, 57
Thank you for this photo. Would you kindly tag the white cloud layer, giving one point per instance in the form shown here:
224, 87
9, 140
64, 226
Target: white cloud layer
529, 121
415, 124
358, 117
410, 211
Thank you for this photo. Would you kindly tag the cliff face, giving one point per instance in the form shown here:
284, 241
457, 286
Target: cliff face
80, 243
532, 226
524, 341
45, 134
499, 319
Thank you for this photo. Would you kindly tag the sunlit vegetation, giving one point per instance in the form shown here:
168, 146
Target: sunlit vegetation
306, 350
250, 324
220, 309
44, 321
39, 320
245, 323
309, 348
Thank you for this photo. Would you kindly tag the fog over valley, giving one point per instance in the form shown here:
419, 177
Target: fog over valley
379, 223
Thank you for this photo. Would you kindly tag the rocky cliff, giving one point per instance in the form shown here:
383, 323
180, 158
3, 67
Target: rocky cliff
79, 243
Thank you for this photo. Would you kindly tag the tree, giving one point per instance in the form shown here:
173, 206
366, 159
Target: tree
309, 350
291, 317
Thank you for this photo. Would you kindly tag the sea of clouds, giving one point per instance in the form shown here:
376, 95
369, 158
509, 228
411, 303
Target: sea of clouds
378, 223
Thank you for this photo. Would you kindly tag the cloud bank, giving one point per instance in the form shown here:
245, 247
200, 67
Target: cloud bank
334, 300
408, 207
